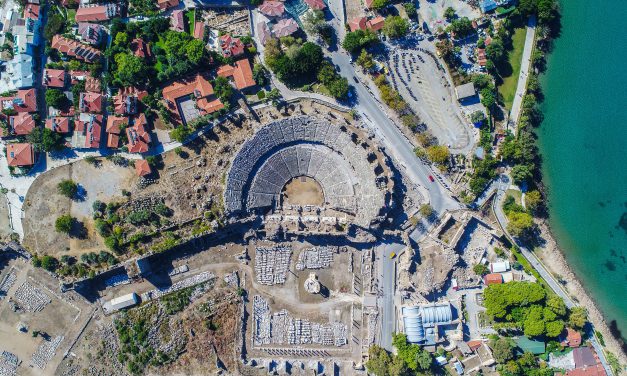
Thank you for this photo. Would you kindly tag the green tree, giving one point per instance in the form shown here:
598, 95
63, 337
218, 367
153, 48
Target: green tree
533, 200
578, 317
462, 27
121, 39
534, 322
55, 24
313, 20
519, 223
55, 98
449, 14
495, 51
477, 117
379, 361
67, 188
326, 74
64, 224
502, 349
222, 88
395, 27
45, 140
410, 9
554, 328
482, 81
488, 99
556, 304
180, 133
195, 50
480, 269
358, 39
426, 210
378, 4
365, 60
49, 263
521, 173
131, 70
438, 154
339, 88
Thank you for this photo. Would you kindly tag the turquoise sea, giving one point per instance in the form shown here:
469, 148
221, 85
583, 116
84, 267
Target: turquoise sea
583, 142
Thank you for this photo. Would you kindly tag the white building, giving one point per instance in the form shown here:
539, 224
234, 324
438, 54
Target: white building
18, 74
499, 267
121, 302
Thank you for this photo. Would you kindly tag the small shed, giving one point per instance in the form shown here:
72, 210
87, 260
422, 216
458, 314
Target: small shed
499, 267
123, 301
465, 91
493, 279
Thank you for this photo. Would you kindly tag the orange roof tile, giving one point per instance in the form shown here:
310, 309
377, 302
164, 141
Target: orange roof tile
199, 30
114, 123
59, 124
272, 8
138, 139
358, 23
22, 123
231, 46
31, 11
493, 278
376, 23
97, 13
20, 155
140, 48
198, 85
54, 78
166, 4
91, 102
142, 167
242, 74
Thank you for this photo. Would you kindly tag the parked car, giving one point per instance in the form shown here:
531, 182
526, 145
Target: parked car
431, 178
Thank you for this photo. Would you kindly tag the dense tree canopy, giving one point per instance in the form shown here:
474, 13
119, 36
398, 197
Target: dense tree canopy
462, 27
395, 27
354, 41
131, 70
46, 140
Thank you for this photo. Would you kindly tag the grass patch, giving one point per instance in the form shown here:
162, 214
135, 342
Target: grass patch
508, 88
516, 194
190, 18
321, 89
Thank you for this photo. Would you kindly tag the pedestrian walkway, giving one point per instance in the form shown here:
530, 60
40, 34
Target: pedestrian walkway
524, 70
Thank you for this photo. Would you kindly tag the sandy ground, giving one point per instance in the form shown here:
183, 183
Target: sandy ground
304, 191
43, 205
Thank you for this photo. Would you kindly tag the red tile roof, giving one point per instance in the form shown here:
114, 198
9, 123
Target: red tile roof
177, 21
142, 167
90, 32
199, 30
242, 74
92, 84
209, 106
91, 128
59, 124
97, 13
114, 123
231, 46
166, 4
376, 23
368, 3
20, 155
138, 139
358, 23
316, 4
284, 27
25, 100
31, 11
125, 101
140, 48
91, 102
22, 123
198, 85
493, 278
140, 120
570, 337
272, 8
54, 78
75, 49
113, 140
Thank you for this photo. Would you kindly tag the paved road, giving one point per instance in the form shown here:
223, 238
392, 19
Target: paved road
395, 142
387, 290
497, 206
524, 69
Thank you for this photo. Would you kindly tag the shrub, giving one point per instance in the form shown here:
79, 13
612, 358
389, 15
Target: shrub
67, 188
64, 224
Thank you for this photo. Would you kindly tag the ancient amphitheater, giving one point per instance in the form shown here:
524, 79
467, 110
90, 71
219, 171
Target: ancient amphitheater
305, 146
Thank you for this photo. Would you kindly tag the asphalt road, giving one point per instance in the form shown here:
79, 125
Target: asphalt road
395, 142
387, 290
524, 70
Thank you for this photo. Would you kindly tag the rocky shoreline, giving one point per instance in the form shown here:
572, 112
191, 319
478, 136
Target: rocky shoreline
553, 258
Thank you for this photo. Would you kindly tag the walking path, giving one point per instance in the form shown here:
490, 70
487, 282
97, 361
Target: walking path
537, 264
524, 70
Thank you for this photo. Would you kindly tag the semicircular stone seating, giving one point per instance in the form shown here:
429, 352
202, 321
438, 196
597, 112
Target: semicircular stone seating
303, 146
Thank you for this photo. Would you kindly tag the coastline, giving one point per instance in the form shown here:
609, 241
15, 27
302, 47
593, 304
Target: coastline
552, 256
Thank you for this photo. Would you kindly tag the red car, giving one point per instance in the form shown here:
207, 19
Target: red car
431, 178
